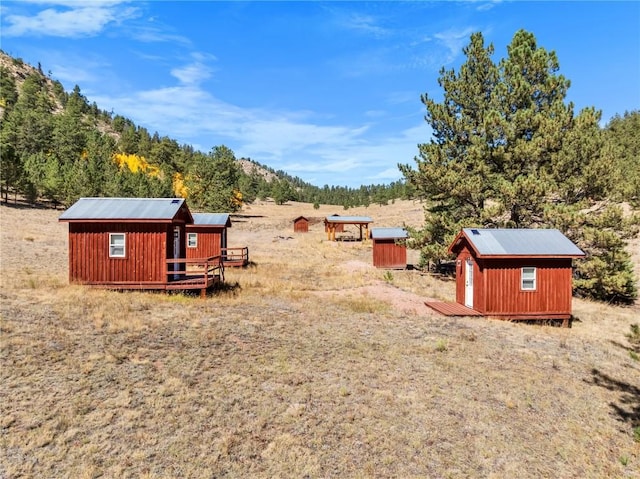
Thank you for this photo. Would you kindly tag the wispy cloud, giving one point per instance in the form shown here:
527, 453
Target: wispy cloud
454, 41
286, 140
363, 23
68, 19
193, 73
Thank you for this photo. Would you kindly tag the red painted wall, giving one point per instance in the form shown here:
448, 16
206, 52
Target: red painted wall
211, 240
147, 246
388, 254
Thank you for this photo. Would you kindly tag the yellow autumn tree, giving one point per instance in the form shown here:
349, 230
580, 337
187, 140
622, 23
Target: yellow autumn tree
179, 188
136, 164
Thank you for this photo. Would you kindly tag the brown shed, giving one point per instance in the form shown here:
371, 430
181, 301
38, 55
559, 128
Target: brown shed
515, 273
389, 250
301, 225
207, 235
133, 243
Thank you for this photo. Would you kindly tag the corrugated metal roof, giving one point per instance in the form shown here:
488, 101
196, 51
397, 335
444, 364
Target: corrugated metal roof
389, 233
210, 219
349, 219
123, 209
521, 242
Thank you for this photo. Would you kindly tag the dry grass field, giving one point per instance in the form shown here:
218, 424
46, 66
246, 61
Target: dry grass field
310, 363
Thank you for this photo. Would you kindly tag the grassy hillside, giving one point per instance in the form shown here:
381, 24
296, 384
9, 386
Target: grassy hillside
311, 363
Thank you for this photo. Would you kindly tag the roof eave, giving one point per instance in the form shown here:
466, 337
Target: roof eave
120, 220
533, 256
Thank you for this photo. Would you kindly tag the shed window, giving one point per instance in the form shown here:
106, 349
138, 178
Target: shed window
528, 278
192, 240
116, 245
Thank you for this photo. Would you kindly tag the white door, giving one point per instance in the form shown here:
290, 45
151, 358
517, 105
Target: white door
468, 283
176, 250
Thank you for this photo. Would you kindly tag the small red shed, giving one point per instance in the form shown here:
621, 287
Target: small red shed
134, 243
389, 250
207, 235
515, 273
301, 225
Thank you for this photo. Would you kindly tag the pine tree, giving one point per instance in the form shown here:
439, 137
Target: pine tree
212, 181
622, 135
508, 152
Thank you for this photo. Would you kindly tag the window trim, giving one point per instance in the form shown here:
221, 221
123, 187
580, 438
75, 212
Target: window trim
195, 242
112, 245
531, 276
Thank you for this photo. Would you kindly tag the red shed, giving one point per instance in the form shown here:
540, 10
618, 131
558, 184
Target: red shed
301, 225
515, 273
134, 243
389, 250
207, 235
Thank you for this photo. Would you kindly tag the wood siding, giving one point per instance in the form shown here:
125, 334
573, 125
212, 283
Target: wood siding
211, 240
147, 246
301, 225
388, 254
498, 288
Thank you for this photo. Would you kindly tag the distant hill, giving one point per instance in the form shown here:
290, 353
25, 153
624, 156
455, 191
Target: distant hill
161, 158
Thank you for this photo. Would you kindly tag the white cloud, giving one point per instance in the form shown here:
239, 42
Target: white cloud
454, 41
301, 142
68, 19
364, 23
192, 74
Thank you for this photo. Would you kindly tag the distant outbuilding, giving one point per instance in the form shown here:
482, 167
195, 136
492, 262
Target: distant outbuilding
515, 274
389, 248
301, 225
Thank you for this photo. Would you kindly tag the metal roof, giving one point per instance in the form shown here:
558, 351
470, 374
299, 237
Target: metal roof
211, 219
123, 209
520, 242
389, 233
349, 219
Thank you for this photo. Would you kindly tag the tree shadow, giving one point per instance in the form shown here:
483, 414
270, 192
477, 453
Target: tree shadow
627, 408
226, 288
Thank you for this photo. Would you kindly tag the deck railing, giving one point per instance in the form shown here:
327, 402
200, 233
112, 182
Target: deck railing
236, 256
197, 271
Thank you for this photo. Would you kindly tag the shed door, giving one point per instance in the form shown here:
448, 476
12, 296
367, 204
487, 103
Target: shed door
468, 283
176, 250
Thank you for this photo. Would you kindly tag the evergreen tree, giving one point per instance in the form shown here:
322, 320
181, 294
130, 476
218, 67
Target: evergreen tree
508, 152
8, 89
622, 135
213, 181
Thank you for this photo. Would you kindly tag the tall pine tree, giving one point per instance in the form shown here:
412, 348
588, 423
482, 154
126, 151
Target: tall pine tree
507, 151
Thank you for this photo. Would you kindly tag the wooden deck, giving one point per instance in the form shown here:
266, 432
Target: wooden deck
451, 309
236, 257
194, 274
181, 275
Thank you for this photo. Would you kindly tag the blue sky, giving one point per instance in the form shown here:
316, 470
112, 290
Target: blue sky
326, 91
